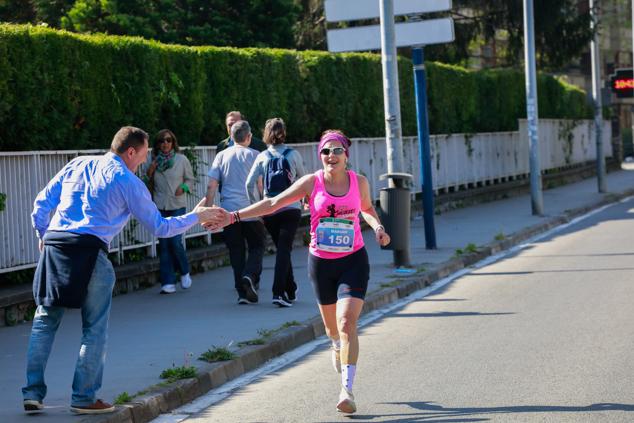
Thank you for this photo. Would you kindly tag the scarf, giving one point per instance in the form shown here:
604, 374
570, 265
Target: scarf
165, 161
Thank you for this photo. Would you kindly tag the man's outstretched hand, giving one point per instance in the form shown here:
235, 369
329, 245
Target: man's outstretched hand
208, 214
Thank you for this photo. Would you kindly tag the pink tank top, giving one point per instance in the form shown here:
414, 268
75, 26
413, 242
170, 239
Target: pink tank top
334, 221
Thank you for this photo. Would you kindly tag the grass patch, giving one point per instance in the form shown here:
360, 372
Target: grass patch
122, 398
391, 284
500, 236
217, 354
178, 373
266, 334
470, 248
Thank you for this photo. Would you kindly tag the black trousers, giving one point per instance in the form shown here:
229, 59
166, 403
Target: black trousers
282, 227
246, 260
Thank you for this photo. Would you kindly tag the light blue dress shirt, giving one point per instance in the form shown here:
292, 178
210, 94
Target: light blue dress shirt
96, 195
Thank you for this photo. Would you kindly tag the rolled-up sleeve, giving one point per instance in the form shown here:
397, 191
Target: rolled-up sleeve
251, 184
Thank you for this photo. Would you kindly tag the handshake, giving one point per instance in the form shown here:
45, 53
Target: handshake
214, 217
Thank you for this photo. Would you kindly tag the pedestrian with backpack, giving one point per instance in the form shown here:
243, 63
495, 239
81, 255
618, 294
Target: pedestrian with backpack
274, 170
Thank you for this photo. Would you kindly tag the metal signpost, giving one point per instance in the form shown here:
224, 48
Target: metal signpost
537, 202
416, 33
596, 96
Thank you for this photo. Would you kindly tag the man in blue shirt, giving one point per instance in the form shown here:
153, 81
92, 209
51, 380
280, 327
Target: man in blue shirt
93, 198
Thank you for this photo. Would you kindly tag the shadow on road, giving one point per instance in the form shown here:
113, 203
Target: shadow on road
431, 412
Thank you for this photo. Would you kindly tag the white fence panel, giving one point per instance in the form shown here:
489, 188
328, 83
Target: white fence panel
458, 161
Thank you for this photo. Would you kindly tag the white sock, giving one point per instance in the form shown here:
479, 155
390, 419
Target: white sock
336, 344
347, 375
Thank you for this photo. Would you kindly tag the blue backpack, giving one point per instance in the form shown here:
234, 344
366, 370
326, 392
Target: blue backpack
277, 175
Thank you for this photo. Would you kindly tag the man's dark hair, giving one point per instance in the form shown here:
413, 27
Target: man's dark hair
240, 131
127, 137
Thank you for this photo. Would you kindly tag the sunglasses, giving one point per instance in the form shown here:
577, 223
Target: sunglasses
166, 139
337, 151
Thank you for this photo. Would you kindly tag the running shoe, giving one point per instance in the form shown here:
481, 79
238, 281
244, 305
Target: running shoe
33, 406
168, 289
346, 402
243, 301
249, 289
281, 301
186, 281
292, 294
336, 359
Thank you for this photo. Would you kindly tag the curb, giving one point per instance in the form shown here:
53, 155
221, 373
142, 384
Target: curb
160, 400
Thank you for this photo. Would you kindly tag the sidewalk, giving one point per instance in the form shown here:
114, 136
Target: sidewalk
151, 332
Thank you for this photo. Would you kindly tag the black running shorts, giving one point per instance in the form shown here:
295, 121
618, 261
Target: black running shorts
345, 277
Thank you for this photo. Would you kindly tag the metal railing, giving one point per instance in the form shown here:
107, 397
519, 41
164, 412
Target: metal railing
458, 161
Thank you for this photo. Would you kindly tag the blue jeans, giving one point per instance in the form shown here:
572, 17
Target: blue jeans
95, 314
172, 253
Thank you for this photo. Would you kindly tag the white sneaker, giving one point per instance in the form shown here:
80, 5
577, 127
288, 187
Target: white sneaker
346, 402
336, 359
168, 289
186, 281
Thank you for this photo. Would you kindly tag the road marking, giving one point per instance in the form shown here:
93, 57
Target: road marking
216, 395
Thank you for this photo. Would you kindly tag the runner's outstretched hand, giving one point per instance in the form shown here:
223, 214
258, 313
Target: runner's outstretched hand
220, 219
382, 238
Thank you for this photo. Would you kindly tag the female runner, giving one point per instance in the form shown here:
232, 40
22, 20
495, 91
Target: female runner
337, 262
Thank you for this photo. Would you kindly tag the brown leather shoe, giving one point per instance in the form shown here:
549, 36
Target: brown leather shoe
97, 407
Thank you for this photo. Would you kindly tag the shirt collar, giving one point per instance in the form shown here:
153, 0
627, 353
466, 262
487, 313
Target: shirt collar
113, 156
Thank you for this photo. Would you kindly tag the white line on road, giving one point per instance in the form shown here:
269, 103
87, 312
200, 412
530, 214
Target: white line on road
216, 395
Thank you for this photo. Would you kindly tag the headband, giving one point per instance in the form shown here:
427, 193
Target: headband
334, 136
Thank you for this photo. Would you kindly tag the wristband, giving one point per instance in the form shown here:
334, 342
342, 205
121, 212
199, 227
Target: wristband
184, 187
379, 228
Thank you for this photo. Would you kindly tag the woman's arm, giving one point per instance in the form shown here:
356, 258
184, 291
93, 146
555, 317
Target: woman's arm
252, 184
369, 213
298, 190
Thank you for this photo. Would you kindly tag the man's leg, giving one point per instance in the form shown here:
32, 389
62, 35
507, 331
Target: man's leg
255, 234
232, 235
95, 314
45, 324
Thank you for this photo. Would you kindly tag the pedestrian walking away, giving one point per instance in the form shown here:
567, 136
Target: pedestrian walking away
171, 178
274, 171
93, 198
230, 169
337, 261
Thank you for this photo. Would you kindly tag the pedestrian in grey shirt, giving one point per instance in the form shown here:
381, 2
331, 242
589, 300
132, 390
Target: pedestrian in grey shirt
230, 169
275, 169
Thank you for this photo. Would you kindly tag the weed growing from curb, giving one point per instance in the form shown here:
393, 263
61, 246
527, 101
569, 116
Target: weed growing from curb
500, 236
266, 334
177, 373
470, 248
391, 284
217, 354
122, 398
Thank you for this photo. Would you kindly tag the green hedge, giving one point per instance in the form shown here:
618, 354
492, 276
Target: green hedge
60, 90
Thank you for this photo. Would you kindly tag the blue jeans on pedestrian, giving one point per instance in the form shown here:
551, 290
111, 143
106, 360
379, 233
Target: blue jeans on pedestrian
172, 254
95, 313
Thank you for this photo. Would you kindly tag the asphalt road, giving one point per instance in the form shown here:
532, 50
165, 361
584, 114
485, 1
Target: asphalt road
543, 335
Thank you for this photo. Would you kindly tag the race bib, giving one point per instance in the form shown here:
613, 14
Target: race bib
335, 235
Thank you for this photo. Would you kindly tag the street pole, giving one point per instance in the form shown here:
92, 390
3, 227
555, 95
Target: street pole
391, 102
596, 95
420, 86
531, 109
393, 135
